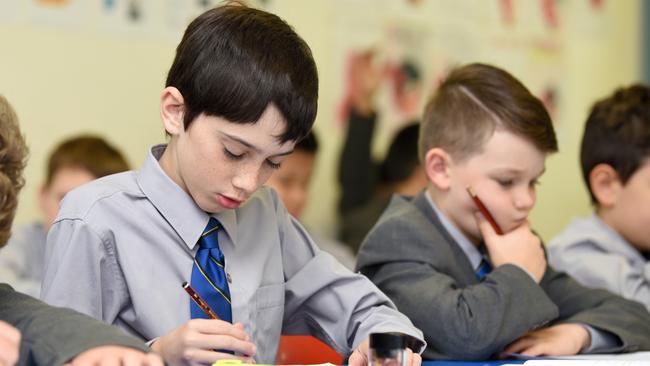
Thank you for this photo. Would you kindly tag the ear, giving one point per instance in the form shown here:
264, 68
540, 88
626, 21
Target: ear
605, 184
436, 167
172, 109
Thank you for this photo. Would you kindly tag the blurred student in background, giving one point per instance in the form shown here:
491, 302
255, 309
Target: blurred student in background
31, 332
292, 181
75, 161
366, 184
610, 248
399, 173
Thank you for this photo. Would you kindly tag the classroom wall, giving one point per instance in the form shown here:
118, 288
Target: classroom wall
602, 54
64, 77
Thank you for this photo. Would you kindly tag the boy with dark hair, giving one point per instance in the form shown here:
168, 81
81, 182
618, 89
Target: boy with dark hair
367, 185
473, 292
75, 161
399, 173
241, 91
32, 333
610, 248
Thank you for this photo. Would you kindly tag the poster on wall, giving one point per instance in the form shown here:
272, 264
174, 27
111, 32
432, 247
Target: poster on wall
126, 16
384, 59
58, 13
402, 50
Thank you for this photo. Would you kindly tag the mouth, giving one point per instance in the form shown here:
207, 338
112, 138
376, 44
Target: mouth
519, 222
228, 202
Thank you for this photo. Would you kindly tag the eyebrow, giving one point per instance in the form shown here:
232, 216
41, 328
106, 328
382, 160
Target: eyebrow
251, 146
519, 171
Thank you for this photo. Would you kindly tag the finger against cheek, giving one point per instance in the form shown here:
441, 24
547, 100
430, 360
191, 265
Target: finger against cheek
417, 359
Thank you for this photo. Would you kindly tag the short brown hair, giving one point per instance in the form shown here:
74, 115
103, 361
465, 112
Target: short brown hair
617, 133
13, 157
91, 153
472, 103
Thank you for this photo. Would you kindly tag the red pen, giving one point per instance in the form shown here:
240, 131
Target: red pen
199, 301
484, 210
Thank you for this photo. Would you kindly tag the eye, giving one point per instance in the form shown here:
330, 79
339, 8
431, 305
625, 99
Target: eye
505, 183
273, 165
231, 155
535, 182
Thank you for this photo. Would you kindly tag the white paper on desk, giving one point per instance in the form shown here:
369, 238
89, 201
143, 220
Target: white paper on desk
618, 357
631, 356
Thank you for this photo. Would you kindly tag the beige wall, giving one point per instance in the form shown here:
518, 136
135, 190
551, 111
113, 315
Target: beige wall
595, 67
62, 81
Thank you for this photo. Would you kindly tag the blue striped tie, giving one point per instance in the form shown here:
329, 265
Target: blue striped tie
209, 276
483, 269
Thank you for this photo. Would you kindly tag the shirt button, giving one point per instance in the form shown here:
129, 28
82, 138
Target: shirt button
228, 278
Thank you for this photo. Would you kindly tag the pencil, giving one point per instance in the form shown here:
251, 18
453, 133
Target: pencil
199, 301
484, 210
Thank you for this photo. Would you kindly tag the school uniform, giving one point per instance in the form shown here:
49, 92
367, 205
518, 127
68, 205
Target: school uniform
123, 244
417, 262
21, 260
597, 256
53, 336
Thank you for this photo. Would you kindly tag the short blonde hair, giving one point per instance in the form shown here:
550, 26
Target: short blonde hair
13, 157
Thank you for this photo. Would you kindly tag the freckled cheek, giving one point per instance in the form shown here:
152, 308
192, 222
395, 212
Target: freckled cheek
263, 176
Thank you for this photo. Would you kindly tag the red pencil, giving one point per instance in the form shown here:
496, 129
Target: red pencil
199, 301
484, 210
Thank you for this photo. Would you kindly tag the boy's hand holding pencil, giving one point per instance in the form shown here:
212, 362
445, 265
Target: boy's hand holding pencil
519, 246
196, 340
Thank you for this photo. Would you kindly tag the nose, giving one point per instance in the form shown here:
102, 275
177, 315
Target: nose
524, 199
247, 180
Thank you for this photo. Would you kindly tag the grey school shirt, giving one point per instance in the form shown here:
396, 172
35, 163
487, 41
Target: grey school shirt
123, 244
597, 256
21, 260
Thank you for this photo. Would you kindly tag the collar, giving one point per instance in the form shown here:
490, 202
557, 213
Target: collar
177, 206
471, 252
612, 238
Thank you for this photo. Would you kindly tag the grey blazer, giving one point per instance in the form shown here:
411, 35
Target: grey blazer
53, 336
420, 267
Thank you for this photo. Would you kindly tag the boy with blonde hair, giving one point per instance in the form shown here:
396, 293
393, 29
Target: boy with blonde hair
473, 292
